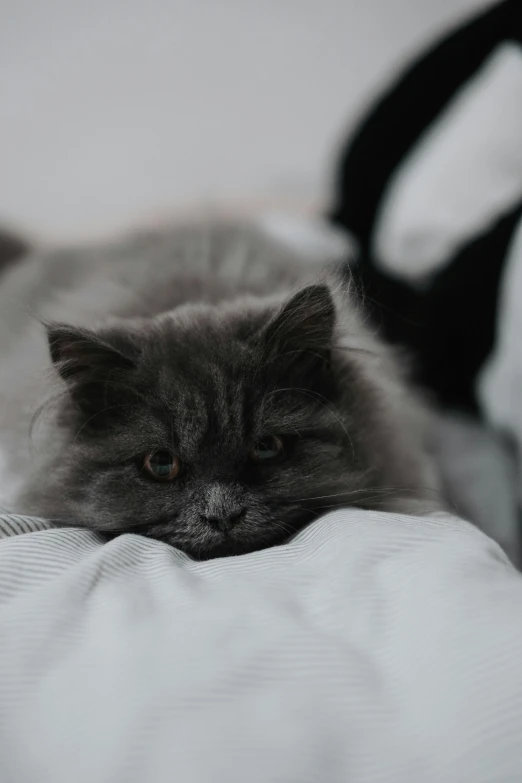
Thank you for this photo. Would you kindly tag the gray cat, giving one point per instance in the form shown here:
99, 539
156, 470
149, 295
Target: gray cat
202, 386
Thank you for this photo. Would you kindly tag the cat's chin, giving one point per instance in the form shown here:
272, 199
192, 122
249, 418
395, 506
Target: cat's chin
229, 545
237, 543
233, 549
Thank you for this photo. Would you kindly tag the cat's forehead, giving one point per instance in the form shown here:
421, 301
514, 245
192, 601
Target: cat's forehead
207, 409
199, 352
192, 368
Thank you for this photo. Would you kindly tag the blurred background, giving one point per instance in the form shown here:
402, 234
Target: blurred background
117, 112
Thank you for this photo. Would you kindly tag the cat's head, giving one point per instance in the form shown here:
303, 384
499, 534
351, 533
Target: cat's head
220, 430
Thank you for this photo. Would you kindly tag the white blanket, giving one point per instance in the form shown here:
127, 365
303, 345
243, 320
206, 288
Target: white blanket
373, 647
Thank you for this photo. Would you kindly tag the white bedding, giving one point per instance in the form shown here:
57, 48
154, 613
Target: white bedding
373, 647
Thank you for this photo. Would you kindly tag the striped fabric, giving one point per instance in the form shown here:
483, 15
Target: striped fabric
372, 647
14, 524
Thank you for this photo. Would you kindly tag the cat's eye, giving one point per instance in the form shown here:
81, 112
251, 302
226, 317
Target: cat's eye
162, 465
268, 449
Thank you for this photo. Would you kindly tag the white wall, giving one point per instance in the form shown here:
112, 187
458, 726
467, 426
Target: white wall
114, 111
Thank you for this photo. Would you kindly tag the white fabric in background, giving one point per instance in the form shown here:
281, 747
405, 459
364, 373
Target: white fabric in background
311, 237
464, 171
374, 647
499, 385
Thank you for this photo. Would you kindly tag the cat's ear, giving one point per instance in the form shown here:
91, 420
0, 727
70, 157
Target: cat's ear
303, 329
76, 351
93, 365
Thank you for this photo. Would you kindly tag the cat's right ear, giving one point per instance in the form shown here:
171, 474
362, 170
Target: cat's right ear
92, 365
76, 352
304, 325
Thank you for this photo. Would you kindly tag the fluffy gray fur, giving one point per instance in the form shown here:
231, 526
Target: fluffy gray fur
202, 341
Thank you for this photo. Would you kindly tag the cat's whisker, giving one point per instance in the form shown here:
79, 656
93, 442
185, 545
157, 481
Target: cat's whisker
43, 407
98, 413
374, 495
357, 349
320, 509
305, 352
346, 493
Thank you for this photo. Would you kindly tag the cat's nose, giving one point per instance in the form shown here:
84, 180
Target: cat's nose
224, 522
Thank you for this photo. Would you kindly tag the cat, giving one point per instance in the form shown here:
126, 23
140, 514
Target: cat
203, 386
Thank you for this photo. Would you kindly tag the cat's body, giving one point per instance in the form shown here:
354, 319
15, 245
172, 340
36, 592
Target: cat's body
273, 405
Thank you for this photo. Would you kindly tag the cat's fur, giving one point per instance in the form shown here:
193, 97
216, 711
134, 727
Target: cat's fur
201, 340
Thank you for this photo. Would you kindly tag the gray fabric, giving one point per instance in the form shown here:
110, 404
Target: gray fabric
373, 647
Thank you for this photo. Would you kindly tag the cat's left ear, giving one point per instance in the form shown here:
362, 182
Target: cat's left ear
304, 326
